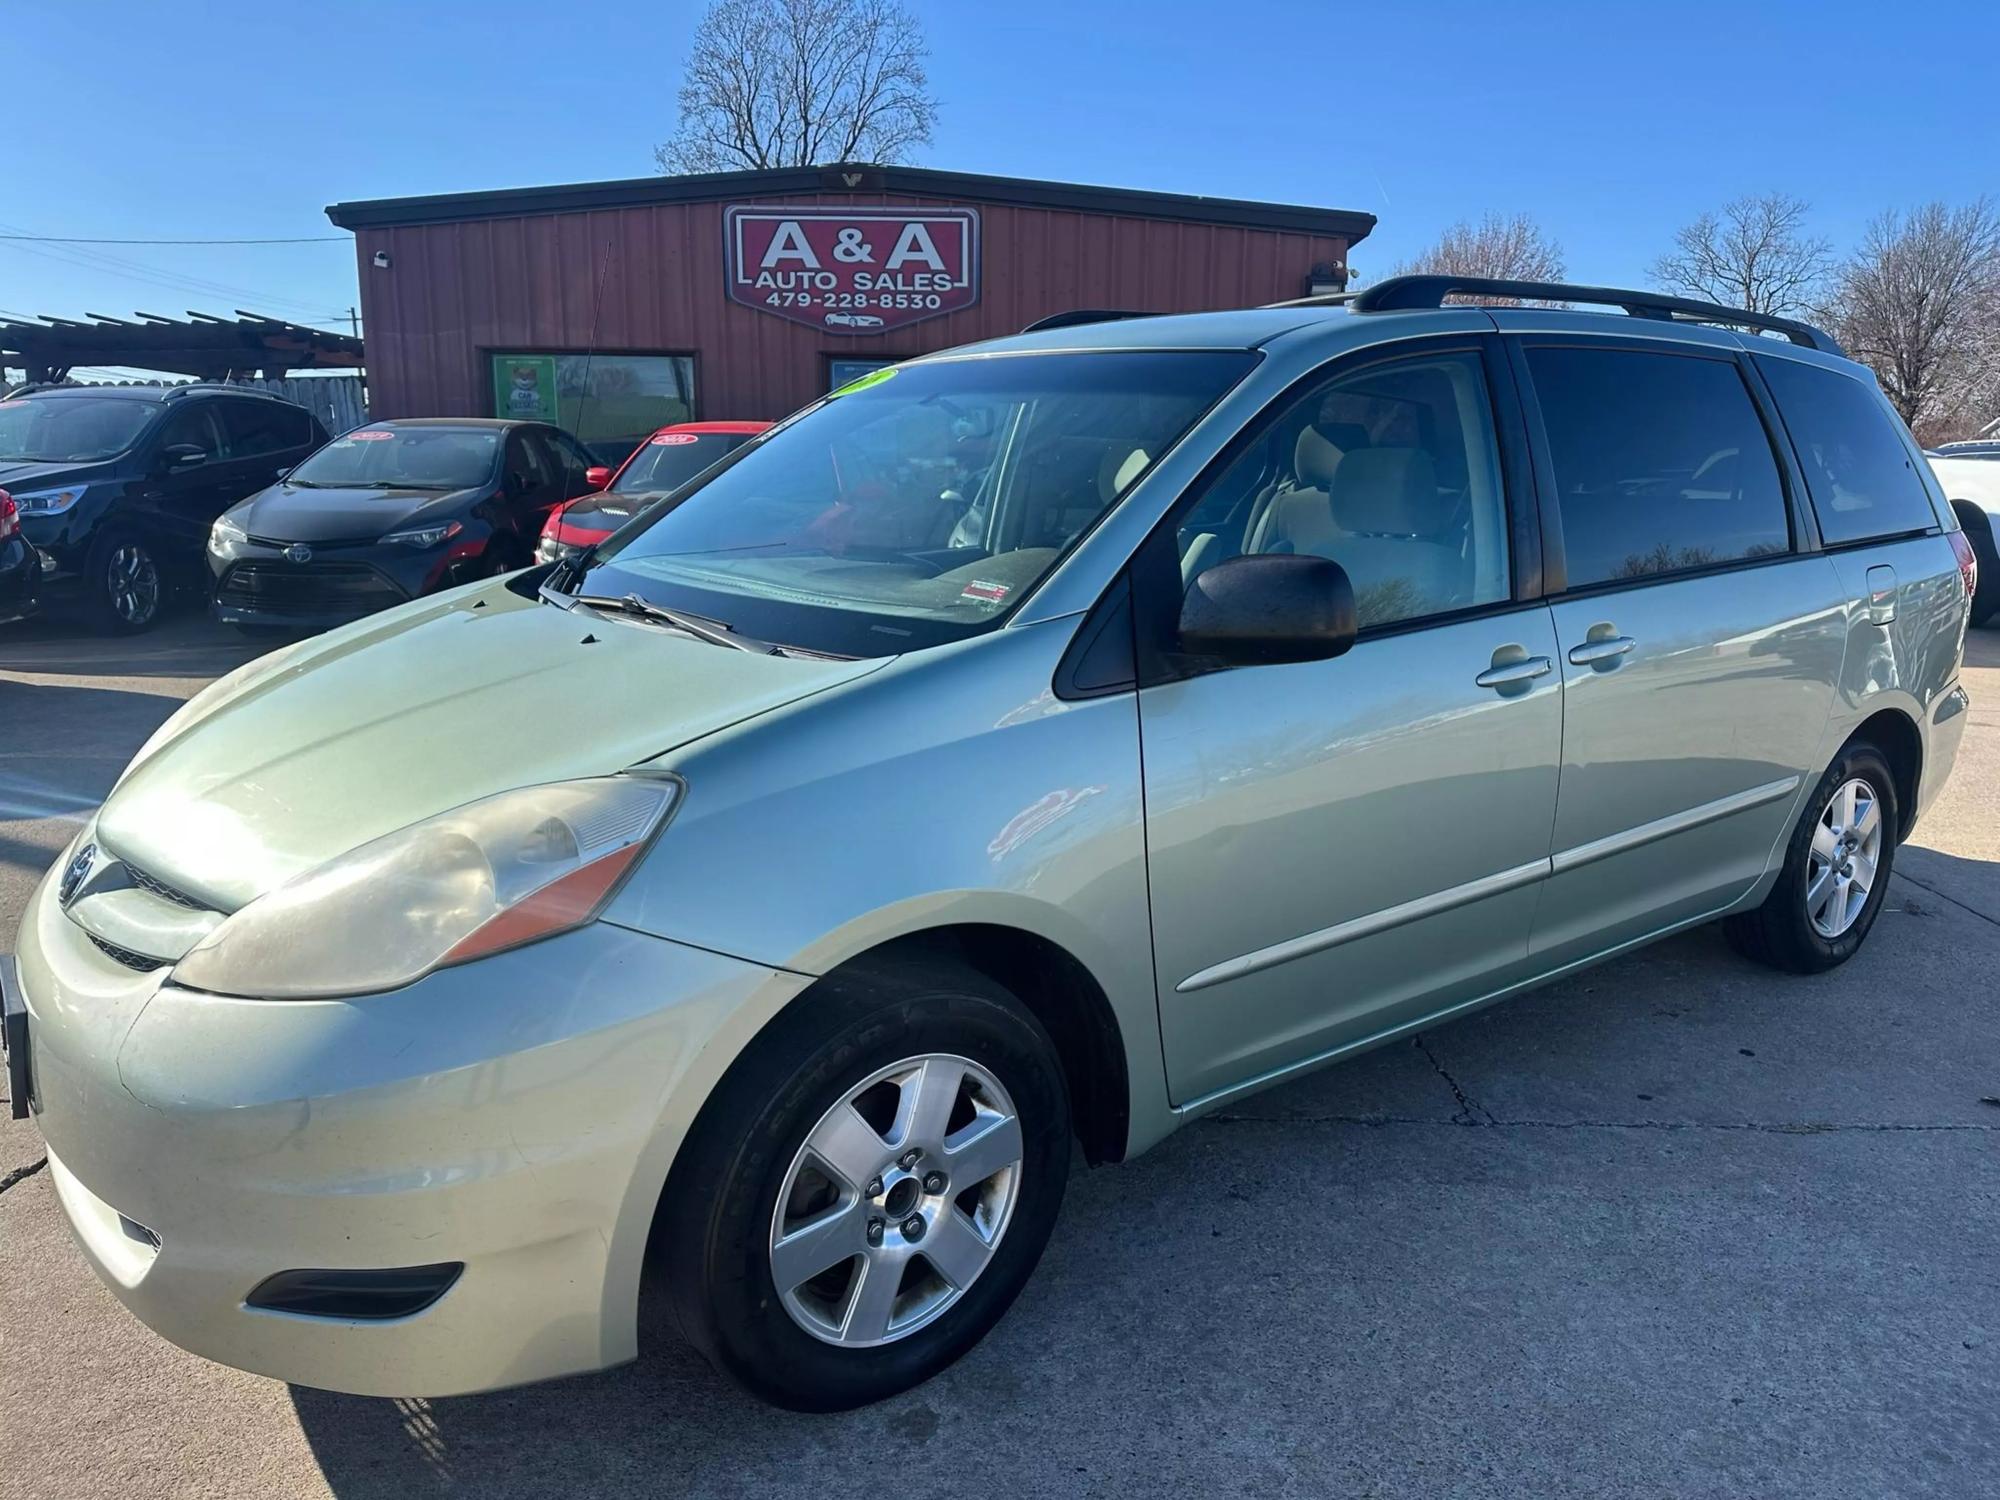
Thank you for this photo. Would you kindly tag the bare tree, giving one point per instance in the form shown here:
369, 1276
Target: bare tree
1919, 303
794, 83
1755, 254
1501, 248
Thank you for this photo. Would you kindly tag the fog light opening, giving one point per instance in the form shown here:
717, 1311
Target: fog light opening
394, 1292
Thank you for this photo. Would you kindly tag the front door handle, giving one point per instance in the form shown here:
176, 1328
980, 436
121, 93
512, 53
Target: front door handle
1603, 649
1527, 669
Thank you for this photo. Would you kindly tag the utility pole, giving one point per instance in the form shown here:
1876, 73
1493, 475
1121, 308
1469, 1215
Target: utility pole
354, 320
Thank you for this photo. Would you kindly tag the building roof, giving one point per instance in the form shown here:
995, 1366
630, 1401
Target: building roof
205, 346
915, 182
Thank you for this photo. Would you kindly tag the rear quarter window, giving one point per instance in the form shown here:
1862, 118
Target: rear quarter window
1859, 473
1662, 464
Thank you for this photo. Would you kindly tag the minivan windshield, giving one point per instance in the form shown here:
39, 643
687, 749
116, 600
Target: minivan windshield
916, 505
410, 458
668, 460
71, 429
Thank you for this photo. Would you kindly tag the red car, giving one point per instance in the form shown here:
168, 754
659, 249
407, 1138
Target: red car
665, 461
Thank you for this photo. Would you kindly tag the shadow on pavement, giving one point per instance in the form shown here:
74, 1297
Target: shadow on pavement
186, 644
1674, 1225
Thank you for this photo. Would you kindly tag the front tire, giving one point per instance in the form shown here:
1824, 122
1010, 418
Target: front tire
1836, 872
869, 1187
127, 586
1978, 530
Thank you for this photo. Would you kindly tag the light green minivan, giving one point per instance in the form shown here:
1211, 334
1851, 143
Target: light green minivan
1042, 742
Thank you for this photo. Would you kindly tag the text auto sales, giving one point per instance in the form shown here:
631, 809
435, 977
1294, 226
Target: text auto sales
852, 248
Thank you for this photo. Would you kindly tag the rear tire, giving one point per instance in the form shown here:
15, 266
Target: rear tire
722, 1238
1812, 920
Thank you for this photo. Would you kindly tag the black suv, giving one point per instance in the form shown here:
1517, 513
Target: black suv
118, 485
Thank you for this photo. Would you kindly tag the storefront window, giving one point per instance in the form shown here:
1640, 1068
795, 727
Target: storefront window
840, 371
612, 402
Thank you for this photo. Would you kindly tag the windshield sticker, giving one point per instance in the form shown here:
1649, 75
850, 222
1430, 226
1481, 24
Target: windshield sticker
675, 439
370, 437
873, 377
979, 588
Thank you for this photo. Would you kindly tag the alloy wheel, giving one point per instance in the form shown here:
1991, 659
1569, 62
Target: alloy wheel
896, 1201
1842, 862
132, 583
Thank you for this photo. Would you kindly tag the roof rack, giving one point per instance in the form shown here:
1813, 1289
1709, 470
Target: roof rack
1405, 293
1081, 315
193, 387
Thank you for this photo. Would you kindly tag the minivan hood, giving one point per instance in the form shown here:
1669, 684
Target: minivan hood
303, 513
330, 743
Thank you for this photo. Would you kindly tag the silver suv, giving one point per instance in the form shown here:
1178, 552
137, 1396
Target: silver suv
1049, 740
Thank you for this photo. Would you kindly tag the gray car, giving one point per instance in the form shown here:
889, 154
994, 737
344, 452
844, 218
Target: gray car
1043, 742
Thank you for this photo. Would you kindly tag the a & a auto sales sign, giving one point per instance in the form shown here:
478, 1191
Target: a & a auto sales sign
853, 270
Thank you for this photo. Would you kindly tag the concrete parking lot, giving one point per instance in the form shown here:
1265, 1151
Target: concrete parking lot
1675, 1227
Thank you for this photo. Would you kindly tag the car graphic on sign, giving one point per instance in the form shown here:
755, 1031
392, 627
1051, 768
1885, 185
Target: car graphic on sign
852, 320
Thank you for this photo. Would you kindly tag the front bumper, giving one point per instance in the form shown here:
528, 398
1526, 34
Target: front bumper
261, 586
505, 1115
20, 578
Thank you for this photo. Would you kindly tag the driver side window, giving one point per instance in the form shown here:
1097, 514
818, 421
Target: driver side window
1390, 470
196, 424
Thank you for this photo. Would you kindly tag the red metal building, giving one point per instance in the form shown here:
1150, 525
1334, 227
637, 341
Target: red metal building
614, 307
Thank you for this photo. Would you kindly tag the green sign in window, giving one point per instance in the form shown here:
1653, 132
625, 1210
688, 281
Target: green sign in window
611, 402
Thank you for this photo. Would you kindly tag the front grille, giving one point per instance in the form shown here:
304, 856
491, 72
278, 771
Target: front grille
127, 957
161, 889
307, 588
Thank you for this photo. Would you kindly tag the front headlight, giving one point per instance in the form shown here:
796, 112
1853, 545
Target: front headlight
224, 534
50, 502
425, 536
491, 875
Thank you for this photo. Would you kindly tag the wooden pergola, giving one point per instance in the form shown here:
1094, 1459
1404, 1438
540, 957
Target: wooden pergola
203, 345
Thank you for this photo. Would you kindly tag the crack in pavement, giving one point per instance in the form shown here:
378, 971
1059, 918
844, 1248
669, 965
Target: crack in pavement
1761, 1127
1942, 896
1468, 1112
22, 1174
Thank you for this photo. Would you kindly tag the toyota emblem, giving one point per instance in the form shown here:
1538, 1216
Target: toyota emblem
76, 873
298, 552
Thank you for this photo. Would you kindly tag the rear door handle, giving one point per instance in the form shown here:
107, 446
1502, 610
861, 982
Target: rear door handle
1524, 670
1606, 648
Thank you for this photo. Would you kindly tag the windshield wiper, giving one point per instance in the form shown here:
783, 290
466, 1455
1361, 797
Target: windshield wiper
715, 632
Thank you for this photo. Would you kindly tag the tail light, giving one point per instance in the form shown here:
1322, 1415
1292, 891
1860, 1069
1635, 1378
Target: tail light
1968, 564
554, 523
10, 516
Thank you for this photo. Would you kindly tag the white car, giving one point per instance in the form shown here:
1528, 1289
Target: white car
852, 320
1973, 487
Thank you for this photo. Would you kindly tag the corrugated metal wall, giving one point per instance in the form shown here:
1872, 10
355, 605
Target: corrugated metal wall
454, 292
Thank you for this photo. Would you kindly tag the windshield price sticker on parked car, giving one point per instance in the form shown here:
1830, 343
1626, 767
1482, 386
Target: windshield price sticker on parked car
853, 271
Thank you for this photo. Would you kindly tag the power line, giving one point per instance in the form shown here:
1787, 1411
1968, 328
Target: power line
115, 265
57, 239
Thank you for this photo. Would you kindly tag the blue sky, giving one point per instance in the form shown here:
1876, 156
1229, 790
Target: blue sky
1611, 124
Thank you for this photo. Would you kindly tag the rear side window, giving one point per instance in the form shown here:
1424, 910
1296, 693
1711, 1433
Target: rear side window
266, 427
1858, 469
1661, 463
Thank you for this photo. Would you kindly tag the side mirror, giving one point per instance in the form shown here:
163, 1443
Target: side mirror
1270, 607
597, 476
177, 457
